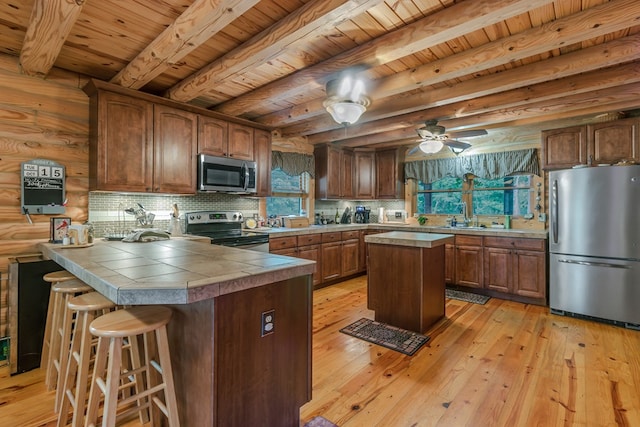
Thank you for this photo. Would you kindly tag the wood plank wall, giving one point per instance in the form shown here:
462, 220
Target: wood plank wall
39, 119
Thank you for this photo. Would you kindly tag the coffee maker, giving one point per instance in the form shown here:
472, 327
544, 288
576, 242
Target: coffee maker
361, 215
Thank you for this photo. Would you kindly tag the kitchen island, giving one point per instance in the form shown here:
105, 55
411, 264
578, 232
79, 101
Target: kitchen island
225, 360
405, 278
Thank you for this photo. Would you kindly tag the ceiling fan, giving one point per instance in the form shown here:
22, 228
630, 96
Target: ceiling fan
433, 138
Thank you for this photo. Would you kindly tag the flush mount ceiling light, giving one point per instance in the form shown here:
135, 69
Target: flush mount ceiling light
346, 100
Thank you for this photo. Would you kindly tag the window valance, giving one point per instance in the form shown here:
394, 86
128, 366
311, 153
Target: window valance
487, 166
293, 163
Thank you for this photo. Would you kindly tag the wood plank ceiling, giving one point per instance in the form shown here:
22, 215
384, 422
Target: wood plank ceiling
494, 64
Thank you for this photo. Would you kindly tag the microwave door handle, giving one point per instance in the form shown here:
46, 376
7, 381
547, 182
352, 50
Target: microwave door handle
245, 174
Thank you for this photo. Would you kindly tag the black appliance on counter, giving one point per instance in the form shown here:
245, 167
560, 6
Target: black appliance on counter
361, 216
225, 228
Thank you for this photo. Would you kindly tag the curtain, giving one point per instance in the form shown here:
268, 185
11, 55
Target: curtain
293, 164
487, 166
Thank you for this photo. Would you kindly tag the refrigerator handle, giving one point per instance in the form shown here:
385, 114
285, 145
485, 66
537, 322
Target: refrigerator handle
554, 211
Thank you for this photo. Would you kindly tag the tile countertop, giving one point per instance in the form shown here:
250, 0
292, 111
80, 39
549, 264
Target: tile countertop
175, 271
494, 232
410, 238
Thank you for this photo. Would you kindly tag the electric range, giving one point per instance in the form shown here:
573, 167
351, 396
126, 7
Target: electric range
225, 228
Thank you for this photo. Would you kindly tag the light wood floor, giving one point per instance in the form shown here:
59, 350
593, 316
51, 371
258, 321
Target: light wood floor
499, 364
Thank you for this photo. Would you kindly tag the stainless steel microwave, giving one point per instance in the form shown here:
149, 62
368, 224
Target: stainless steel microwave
227, 175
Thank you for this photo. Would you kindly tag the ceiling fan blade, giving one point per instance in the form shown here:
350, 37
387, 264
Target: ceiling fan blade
468, 133
414, 150
452, 143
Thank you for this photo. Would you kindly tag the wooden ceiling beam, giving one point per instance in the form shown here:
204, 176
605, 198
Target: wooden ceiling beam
459, 18
305, 23
197, 24
600, 20
49, 26
433, 103
598, 101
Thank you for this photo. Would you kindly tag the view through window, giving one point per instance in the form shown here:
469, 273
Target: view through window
288, 193
510, 195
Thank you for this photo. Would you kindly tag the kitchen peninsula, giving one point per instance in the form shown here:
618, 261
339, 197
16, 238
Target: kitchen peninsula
224, 359
406, 286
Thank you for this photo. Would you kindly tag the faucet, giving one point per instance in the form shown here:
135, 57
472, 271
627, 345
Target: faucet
466, 219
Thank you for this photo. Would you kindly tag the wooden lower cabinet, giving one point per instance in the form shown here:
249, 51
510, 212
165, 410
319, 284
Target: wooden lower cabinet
313, 253
515, 266
331, 261
350, 257
450, 264
468, 261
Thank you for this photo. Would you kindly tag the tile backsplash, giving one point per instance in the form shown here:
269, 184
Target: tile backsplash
106, 210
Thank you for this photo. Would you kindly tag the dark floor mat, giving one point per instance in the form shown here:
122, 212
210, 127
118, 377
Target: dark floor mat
398, 339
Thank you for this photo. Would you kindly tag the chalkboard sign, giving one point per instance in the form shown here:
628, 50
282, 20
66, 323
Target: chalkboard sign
42, 187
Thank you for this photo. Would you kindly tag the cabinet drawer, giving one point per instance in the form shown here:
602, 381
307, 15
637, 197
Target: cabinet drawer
515, 243
349, 235
309, 239
462, 240
282, 243
331, 237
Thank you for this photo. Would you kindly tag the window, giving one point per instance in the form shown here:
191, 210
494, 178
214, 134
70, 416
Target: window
511, 195
289, 194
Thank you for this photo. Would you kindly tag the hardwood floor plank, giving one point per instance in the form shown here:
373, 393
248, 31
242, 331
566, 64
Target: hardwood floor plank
498, 364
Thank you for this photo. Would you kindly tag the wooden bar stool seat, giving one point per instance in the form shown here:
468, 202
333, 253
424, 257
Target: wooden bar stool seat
60, 334
74, 389
52, 278
150, 322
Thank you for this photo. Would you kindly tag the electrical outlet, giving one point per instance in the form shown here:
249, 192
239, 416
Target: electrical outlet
267, 321
542, 217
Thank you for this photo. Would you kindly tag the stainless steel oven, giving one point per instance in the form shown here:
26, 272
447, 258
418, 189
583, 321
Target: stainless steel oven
225, 228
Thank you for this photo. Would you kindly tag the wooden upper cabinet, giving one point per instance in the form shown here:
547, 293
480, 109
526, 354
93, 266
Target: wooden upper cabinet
213, 136
240, 142
328, 172
121, 143
564, 148
346, 174
615, 141
365, 175
175, 137
389, 174
262, 151
600, 143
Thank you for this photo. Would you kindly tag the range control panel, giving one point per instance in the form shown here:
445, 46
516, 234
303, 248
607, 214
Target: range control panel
208, 217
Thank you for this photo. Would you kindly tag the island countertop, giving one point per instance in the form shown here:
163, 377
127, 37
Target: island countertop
409, 238
175, 271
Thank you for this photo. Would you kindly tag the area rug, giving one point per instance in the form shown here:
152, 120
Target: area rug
406, 342
319, 422
466, 296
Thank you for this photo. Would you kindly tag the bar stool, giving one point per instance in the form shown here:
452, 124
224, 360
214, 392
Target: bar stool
73, 392
54, 277
60, 337
150, 322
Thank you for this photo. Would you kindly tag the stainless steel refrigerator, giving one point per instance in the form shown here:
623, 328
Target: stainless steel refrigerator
594, 243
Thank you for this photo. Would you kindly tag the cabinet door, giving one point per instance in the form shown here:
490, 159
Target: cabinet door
313, 253
497, 269
388, 175
213, 136
529, 274
346, 175
331, 260
449, 263
564, 148
240, 142
612, 142
469, 266
121, 150
350, 257
365, 174
175, 146
262, 147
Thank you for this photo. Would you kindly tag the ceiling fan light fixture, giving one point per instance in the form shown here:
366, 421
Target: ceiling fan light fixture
431, 146
345, 112
346, 101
